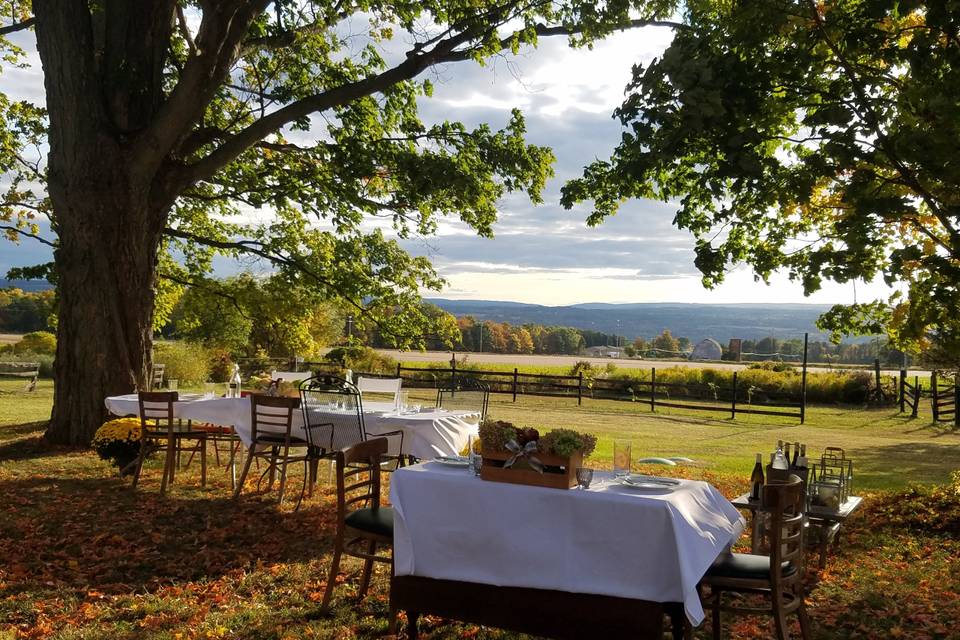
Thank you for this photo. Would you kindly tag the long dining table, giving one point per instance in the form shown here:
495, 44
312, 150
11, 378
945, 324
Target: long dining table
427, 433
631, 552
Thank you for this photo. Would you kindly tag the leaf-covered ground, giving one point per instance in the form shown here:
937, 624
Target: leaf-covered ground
84, 556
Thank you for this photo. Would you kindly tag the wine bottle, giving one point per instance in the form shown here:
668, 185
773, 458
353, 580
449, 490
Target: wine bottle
802, 460
779, 460
756, 479
786, 451
235, 382
796, 454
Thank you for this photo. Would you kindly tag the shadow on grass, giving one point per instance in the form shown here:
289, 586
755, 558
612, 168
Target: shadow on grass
906, 461
935, 429
11, 431
100, 534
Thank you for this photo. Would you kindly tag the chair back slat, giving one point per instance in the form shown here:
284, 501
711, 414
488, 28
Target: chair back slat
333, 412
783, 504
359, 459
272, 411
156, 412
156, 375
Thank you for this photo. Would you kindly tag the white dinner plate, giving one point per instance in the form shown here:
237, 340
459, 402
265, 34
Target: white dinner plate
453, 461
189, 397
639, 477
643, 485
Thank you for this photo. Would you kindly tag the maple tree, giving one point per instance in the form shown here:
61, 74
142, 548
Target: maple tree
253, 128
822, 144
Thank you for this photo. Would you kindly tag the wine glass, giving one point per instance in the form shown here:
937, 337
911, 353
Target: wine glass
584, 477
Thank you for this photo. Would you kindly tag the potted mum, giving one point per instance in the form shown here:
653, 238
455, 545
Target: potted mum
119, 441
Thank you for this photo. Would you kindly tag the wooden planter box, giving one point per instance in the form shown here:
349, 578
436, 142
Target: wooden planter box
521, 473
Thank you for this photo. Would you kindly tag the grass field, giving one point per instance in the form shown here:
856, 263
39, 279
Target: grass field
82, 556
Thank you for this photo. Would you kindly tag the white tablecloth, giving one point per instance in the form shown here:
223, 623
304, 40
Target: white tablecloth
608, 540
426, 434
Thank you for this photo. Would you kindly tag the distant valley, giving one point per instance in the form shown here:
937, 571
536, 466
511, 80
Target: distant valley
694, 321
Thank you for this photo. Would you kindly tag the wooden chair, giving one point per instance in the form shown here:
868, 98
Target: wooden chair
271, 427
779, 575
362, 523
464, 394
161, 431
156, 376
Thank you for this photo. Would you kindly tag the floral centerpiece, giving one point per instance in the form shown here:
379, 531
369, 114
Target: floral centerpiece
262, 383
514, 454
118, 441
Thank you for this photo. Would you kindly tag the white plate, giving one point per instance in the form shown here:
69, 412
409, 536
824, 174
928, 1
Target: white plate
453, 461
639, 478
646, 486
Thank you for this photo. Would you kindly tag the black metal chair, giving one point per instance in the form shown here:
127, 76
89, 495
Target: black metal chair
464, 393
333, 417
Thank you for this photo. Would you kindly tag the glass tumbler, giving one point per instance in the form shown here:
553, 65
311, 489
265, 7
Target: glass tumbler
622, 457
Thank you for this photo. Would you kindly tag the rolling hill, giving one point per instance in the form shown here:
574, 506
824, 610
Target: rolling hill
694, 321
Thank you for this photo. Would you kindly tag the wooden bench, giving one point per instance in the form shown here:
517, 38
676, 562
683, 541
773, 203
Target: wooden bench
29, 370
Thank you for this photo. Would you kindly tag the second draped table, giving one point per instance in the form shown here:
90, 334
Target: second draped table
608, 540
427, 433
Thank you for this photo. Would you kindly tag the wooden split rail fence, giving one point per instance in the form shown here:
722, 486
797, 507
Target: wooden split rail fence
733, 399
945, 396
910, 394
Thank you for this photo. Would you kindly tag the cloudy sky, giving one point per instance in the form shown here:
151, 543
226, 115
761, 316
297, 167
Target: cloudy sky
545, 254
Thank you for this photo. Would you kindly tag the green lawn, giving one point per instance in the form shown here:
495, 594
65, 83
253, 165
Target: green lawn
82, 556
889, 449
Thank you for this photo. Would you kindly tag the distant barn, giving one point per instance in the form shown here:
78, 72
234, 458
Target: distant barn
707, 349
602, 352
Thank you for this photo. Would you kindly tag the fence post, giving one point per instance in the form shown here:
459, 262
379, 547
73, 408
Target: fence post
803, 381
580, 389
733, 402
956, 400
514, 384
903, 389
934, 387
398, 369
453, 373
876, 369
916, 398
653, 388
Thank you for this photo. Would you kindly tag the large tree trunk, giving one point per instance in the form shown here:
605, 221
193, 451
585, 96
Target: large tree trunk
106, 266
107, 214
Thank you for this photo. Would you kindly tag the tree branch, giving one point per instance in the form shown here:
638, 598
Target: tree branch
185, 31
17, 26
8, 228
446, 50
286, 38
338, 96
218, 44
258, 249
866, 112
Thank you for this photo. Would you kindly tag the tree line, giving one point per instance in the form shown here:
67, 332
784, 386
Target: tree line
245, 316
